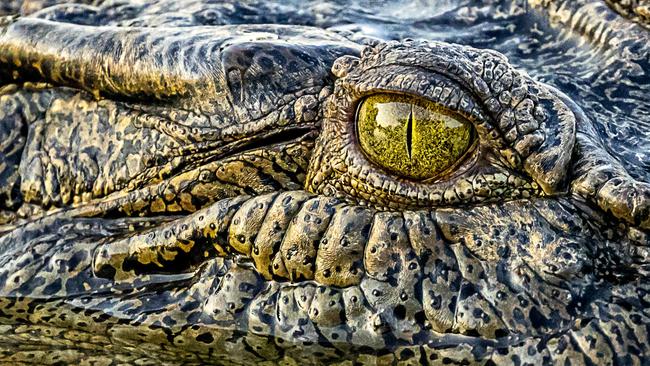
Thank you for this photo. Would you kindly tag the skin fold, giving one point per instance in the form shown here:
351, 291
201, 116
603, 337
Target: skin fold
184, 183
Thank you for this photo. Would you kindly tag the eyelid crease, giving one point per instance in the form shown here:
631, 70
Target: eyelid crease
421, 83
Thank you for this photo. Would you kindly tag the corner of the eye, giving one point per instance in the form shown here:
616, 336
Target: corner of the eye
550, 190
344, 64
552, 179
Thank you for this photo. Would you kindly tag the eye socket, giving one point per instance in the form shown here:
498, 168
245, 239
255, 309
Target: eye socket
412, 137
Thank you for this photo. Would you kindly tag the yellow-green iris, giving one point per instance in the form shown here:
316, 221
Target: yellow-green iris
411, 137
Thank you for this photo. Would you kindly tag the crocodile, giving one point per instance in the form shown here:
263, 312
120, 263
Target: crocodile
324, 183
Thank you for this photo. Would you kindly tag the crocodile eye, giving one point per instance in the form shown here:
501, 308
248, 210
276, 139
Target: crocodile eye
412, 137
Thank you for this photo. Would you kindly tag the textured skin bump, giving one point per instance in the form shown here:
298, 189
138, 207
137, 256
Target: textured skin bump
339, 260
299, 245
269, 237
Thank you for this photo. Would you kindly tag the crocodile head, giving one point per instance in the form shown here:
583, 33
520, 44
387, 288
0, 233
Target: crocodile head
294, 194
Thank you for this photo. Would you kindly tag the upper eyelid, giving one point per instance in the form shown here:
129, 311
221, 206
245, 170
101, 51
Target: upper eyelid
422, 77
465, 66
372, 81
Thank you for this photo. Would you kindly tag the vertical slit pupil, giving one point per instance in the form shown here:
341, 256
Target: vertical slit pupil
409, 132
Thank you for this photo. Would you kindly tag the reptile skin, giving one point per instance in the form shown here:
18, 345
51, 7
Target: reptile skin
182, 183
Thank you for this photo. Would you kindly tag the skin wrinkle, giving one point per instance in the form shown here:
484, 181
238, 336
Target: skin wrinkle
295, 248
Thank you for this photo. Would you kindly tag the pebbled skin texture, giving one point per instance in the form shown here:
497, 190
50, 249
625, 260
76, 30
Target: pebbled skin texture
182, 184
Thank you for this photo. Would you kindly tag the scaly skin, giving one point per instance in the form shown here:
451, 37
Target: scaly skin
638, 10
174, 190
